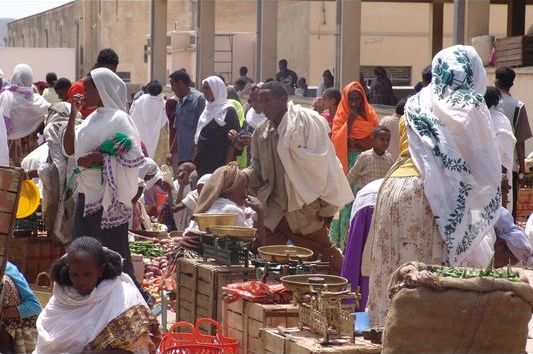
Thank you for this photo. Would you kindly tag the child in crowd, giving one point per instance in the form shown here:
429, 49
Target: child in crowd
178, 218
372, 164
302, 87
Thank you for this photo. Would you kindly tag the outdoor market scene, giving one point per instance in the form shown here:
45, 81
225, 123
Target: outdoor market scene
274, 177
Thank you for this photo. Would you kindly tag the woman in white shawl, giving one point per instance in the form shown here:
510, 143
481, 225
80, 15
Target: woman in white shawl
108, 152
95, 307
443, 196
148, 113
23, 112
213, 147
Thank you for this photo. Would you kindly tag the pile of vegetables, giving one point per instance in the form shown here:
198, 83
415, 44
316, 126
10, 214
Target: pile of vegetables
146, 249
465, 273
158, 266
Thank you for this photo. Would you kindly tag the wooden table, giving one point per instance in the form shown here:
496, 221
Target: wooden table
304, 342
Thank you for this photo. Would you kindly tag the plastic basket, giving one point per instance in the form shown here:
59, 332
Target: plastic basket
174, 338
193, 349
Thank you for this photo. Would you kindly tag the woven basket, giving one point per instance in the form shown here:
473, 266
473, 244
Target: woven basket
43, 293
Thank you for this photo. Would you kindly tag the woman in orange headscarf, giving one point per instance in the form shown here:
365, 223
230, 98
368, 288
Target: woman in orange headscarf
351, 134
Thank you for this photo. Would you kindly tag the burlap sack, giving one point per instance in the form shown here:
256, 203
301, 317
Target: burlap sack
431, 314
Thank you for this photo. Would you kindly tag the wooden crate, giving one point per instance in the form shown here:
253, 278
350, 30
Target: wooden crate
10, 184
243, 320
514, 51
199, 288
305, 342
33, 255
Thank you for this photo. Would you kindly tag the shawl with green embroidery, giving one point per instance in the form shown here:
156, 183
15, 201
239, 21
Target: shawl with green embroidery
452, 142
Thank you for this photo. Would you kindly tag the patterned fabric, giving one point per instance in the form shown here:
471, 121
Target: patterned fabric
397, 237
136, 330
462, 177
23, 332
338, 230
369, 167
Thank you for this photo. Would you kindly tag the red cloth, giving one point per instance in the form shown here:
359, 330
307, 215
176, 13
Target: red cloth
77, 87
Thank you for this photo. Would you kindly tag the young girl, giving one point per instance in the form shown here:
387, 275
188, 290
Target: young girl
92, 294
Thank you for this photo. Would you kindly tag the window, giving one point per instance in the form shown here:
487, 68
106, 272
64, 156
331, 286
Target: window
399, 75
60, 36
46, 38
124, 75
22, 40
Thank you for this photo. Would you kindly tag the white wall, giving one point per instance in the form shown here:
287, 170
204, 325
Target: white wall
42, 60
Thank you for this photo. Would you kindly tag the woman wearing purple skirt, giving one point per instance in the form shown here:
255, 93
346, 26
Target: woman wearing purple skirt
361, 218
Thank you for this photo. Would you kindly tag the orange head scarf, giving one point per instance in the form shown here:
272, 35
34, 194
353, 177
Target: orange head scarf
362, 126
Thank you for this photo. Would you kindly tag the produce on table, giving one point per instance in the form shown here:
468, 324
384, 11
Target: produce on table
158, 266
146, 249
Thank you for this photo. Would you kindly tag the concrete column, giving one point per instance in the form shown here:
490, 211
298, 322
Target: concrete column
205, 39
458, 21
477, 19
437, 25
516, 17
267, 43
350, 41
158, 41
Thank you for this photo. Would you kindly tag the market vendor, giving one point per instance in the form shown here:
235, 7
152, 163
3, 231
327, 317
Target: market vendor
21, 307
95, 307
225, 192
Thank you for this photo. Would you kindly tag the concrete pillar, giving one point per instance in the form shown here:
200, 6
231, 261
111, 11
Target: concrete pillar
350, 41
267, 39
477, 19
458, 21
516, 17
205, 39
158, 41
437, 26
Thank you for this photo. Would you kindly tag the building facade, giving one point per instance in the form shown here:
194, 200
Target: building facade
393, 34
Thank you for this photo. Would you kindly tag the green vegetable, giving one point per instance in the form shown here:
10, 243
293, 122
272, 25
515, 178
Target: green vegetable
466, 273
146, 249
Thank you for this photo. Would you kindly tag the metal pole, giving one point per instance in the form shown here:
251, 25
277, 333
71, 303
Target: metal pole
259, 30
458, 21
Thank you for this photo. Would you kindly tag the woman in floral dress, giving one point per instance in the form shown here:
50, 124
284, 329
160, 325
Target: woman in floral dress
440, 202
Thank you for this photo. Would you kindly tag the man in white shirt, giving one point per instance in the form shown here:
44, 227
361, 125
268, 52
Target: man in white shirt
515, 110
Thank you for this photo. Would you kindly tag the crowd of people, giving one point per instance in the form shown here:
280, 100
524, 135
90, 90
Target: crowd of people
429, 183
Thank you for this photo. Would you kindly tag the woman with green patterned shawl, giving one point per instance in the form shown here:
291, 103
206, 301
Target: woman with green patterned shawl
441, 201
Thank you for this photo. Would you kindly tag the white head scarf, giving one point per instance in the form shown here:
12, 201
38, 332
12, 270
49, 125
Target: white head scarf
452, 142
149, 168
214, 110
119, 173
111, 88
22, 110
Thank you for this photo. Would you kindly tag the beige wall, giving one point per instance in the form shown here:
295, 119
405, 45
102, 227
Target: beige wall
393, 34
41, 60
